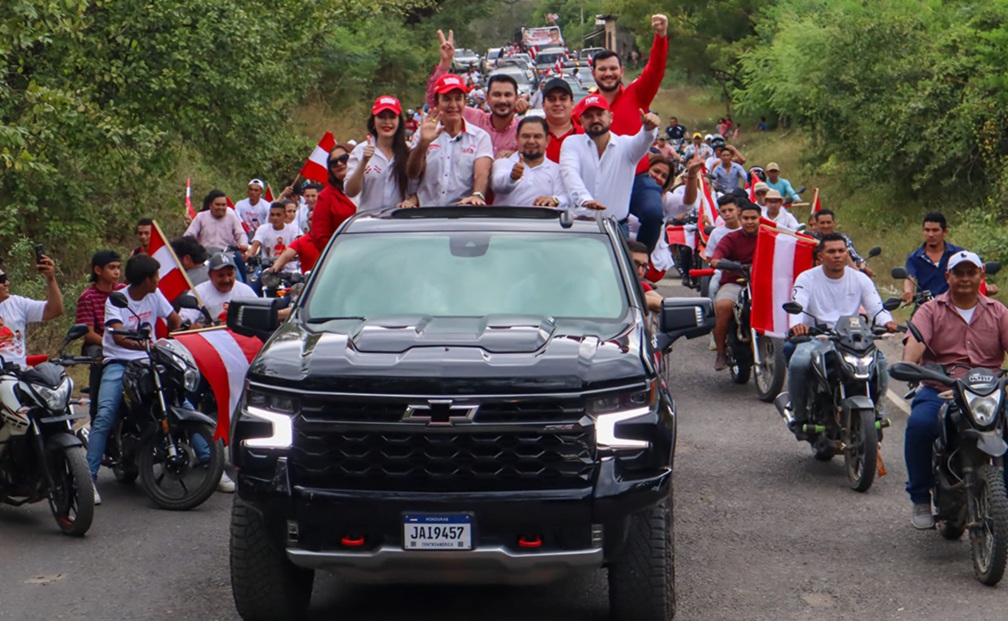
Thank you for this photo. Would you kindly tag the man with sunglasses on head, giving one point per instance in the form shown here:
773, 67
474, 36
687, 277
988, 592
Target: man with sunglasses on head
16, 312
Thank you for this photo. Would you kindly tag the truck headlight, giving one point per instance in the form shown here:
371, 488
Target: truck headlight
610, 411
276, 409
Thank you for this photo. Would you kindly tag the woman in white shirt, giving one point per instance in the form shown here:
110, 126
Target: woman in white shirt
376, 173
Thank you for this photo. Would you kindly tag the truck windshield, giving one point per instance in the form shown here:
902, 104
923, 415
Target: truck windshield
468, 274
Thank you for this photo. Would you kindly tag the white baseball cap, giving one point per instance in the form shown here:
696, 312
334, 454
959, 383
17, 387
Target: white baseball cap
964, 256
257, 182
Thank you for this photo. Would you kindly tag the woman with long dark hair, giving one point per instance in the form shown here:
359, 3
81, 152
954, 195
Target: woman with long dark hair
332, 206
376, 172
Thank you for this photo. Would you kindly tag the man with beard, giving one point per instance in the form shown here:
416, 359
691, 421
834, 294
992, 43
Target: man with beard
502, 99
626, 104
449, 157
598, 167
527, 178
558, 104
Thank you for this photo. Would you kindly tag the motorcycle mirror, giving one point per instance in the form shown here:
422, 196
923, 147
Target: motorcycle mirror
912, 329
118, 299
892, 304
992, 267
187, 301
801, 228
75, 332
708, 229
793, 308
900, 273
799, 189
874, 252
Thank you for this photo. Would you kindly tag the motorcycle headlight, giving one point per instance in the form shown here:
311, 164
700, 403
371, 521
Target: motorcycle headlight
611, 410
858, 361
270, 280
180, 359
53, 400
982, 409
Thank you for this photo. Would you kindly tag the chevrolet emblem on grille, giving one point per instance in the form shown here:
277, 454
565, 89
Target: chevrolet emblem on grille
439, 412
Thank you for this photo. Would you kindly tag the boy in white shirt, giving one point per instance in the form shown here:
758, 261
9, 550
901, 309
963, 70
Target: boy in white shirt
274, 237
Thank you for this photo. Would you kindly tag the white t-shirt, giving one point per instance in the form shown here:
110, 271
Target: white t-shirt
379, 189
16, 313
828, 299
273, 241
253, 216
785, 219
214, 300
965, 313
712, 240
675, 206
146, 311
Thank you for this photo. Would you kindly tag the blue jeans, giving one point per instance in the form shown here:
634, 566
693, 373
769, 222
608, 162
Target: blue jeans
646, 203
799, 358
109, 402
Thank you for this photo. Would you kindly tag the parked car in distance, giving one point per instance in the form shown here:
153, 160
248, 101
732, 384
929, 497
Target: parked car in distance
464, 59
490, 60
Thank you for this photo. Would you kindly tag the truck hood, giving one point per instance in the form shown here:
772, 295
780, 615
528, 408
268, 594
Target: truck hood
424, 355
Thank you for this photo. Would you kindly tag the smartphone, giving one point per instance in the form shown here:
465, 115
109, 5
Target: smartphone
39, 251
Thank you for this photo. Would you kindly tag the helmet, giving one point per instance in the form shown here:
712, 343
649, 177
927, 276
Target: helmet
411, 112
717, 141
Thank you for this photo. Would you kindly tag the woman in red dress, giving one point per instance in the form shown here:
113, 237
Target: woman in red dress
332, 206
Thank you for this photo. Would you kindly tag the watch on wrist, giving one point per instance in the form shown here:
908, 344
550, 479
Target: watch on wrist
480, 195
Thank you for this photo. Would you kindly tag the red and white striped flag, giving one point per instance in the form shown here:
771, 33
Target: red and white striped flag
223, 358
780, 257
708, 208
533, 52
188, 199
173, 279
558, 66
315, 167
681, 235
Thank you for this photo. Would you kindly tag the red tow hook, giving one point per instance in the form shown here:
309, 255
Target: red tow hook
529, 542
351, 541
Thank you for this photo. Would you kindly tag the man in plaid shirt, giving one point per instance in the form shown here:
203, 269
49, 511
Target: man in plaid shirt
106, 266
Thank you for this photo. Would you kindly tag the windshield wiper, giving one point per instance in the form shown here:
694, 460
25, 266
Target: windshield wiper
325, 319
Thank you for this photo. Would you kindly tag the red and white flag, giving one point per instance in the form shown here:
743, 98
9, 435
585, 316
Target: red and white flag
780, 257
816, 205
315, 167
173, 279
681, 235
533, 52
188, 199
223, 358
708, 208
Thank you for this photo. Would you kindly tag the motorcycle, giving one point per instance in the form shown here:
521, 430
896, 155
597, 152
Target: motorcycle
968, 461
40, 457
749, 352
844, 396
157, 437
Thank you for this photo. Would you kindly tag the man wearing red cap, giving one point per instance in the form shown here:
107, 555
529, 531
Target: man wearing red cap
626, 102
450, 158
598, 167
502, 97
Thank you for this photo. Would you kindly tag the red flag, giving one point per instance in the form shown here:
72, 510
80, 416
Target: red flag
269, 194
780, 257
708, 209
223, 358
229, 202
816, 205
188, 199
752, 187
682, 235
315, 167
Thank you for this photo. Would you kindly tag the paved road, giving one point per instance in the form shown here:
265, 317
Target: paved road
762, 532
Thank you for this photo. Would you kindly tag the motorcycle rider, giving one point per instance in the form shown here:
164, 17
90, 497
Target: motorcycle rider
775, 211
146, 305
961, 327
738, 246
218, 291
928, 264
828, 292
16, 312
775, 182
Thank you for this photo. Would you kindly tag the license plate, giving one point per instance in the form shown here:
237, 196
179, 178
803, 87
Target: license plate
437, 531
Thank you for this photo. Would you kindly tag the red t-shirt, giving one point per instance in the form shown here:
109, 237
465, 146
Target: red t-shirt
553, 146
307, 253
331, 209
735, 246
647, 286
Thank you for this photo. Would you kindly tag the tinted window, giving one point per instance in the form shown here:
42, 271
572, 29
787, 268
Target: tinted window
471, 274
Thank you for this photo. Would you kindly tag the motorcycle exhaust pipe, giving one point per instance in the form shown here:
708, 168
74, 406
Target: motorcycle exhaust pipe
781, 403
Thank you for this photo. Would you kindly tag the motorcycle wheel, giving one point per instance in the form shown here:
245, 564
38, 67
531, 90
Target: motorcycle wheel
861, 454
738, 369
71, 500
180, 483
770, 378
989, 540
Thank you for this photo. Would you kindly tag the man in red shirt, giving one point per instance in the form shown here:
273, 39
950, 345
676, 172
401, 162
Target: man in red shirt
738, 246
558, 104
106, 266
626, 104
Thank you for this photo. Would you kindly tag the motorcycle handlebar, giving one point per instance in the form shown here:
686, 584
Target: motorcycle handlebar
132, 335
701, 273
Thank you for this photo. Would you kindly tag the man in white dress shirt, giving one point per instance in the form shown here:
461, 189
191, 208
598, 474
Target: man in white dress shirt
598, 168
527, 178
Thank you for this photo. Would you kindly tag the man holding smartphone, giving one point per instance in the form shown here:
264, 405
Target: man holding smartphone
16, 312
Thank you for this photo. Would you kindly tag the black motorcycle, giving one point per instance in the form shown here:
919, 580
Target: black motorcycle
968, 461
749, 352
158, 438
40, 457
843, 399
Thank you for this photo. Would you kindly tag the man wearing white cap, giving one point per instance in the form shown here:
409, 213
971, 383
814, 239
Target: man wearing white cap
828, 292
254, 210
962, 329
599, 166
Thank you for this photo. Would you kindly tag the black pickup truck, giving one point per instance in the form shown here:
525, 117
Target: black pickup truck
468, 395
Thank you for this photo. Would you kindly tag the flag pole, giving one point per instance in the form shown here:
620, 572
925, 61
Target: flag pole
171, 251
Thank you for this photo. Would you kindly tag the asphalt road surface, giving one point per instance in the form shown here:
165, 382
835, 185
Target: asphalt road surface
762, 531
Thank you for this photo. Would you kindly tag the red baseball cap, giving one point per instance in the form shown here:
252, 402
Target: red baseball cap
594, 101
386, 102
447, 83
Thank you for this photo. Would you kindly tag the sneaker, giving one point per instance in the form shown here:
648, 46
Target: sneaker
226, 485
921, 517
721, 362
97, 497
713, 344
